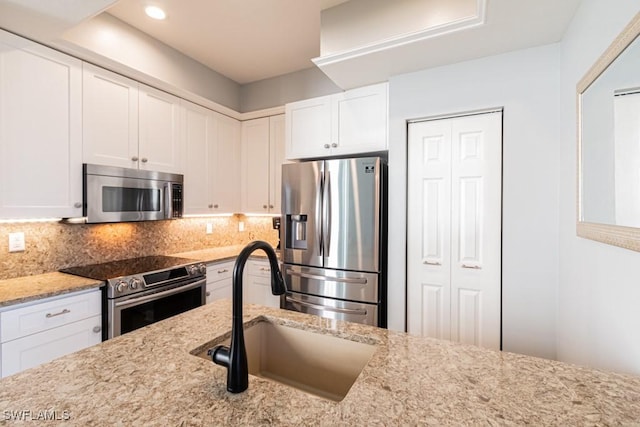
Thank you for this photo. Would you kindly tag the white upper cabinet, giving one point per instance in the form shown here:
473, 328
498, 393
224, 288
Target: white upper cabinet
352, 122
110, 118
159, 143
262, 158
40, 131
212, 143
128, 124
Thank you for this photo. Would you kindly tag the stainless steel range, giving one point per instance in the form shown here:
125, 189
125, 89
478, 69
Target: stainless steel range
142, 291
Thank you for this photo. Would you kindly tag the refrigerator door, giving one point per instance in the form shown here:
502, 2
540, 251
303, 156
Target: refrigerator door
332, 308
347, 285
351, 214
302, 213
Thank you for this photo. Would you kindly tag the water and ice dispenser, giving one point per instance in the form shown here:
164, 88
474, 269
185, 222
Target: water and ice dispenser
296, 232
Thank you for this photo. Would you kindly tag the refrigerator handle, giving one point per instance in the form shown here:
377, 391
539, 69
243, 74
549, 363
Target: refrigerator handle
326, 215
319, 188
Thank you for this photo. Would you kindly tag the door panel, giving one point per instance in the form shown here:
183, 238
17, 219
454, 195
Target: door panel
454, 192
351, 220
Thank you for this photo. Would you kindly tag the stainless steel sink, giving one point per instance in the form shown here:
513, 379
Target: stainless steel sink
315, 363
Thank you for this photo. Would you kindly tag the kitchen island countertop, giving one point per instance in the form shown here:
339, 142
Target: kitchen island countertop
149, 377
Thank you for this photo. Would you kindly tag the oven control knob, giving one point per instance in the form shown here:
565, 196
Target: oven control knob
134, 283
202, 268
193, 270
121, 286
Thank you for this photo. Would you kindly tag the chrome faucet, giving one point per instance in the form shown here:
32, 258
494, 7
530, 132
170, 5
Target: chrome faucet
235, 357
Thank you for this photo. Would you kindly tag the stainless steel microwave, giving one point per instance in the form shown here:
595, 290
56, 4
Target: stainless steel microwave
113, 194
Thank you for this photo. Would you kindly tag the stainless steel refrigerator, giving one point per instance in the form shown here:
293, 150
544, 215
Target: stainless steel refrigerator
334, 238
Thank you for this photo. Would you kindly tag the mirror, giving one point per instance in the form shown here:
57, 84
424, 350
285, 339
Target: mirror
609, 144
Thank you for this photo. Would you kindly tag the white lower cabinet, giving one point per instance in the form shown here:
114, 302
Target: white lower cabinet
35, 333
257, 284
219, 280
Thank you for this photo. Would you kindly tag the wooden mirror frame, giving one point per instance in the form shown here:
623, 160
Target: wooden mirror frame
625, 237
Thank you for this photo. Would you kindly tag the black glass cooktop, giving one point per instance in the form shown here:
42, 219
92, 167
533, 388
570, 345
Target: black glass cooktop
127, 267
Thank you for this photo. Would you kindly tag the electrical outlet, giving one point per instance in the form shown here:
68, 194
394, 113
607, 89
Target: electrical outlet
209, 228
241, 226
16, 242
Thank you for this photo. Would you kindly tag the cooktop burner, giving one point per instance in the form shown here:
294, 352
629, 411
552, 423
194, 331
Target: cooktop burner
127, 267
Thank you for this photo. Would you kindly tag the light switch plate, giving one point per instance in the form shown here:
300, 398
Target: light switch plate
209, 228
16, 242
241, 226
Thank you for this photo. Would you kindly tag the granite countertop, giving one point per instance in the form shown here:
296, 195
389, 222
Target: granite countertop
32, 288
149, 377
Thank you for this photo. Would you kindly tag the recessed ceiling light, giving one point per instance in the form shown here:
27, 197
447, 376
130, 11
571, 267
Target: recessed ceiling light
155, 12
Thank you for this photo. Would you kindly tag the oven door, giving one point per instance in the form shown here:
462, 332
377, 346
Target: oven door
132, 312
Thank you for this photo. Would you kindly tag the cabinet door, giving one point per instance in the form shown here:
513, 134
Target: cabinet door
308, 128
110, 118
255, 166
40, 131
225, 179
276, 148
360, 120
257, 285
33, 350
160, 144
200, 129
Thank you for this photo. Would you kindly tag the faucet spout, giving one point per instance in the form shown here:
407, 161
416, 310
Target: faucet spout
234, 357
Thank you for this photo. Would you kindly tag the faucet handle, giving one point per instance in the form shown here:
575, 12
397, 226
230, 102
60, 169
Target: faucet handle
219, 355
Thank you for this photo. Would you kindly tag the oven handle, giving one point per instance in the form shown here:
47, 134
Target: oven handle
354, 280
172, 291
323, 307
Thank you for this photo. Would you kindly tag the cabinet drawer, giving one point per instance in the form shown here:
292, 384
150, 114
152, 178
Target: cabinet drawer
259, 268
48, 314
219, 271
33, 350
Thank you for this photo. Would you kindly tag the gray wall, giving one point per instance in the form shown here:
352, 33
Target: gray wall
526, 84
290, 87
599, 294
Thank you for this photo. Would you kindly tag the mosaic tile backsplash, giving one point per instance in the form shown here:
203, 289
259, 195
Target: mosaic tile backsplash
51, 246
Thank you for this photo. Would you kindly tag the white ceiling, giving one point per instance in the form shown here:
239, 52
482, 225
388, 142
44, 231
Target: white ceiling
245, 40
251, 40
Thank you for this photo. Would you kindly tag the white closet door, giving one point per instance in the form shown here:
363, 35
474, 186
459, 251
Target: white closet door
429, 237
454, 229
476, 217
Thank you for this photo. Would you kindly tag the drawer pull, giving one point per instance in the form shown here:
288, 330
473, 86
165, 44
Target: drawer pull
264, 269
474, 267
97, 329
65, 311
223, 271
431, 262
208, 294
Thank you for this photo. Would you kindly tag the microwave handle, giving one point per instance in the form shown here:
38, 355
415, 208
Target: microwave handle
168, 201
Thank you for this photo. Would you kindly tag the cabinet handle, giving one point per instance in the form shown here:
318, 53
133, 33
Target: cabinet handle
432, 262
264, 269
210, 206
215, 206
270, 206
264, 206
208, 294
97, 329
334, 145
77, 205
134, 159
474, 267
144, 160
65, 311
222, 271
327, 146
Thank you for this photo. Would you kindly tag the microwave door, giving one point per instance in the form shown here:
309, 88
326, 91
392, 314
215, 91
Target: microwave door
302, 213
352, 214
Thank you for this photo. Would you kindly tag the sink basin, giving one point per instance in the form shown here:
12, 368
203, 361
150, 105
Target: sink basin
315, 363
